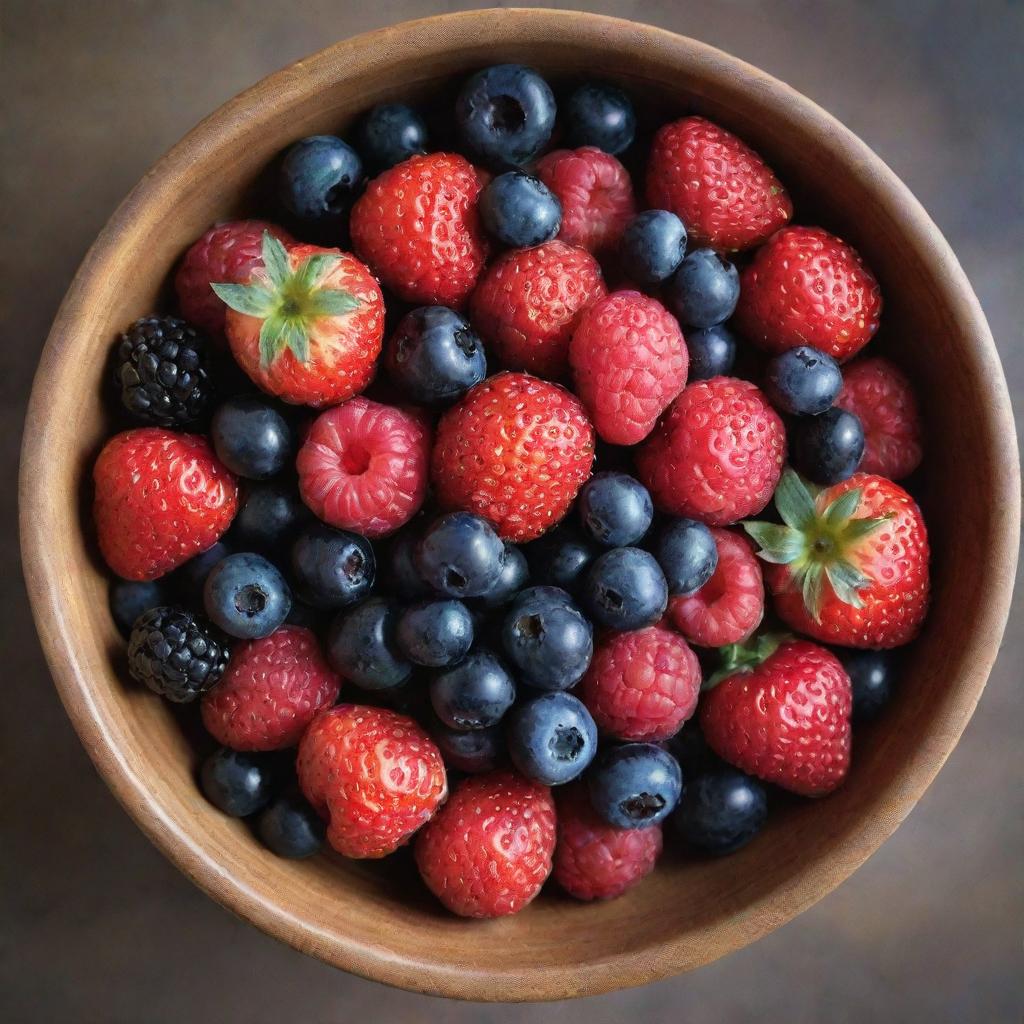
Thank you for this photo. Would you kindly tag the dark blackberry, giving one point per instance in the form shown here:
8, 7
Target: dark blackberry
175, 654
161, 367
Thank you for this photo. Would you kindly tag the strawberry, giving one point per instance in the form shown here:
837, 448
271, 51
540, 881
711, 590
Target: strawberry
374, 774
488, 850
272, 689
849, 565
309, 324
629, 361
881, 396
780, 709
515, 450
807, 287
716, 455
723, 192
529, 301
417, 226
161, 498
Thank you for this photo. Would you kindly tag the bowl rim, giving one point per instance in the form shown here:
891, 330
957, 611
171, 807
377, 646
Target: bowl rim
511, 26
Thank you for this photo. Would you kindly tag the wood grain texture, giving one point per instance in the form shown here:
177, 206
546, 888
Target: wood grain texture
362, 917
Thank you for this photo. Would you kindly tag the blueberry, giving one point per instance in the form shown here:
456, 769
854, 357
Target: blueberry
515, 574
269, 518
803, 381
653, 245
519, 210
389, 134
712, 352
471, 751
505, 115
251, 437
434, 356
704, 290
314, 619
615, 509
291, 828
552, 738
238, 783
246, 596
827, 448
687, 554
191, 577
475, 694
599, 114
691, 750
871, 673
319, 176
129, 599
625, 589
361, 646
721, 811
635, 785
435, 633
561, 558
547, 638
404, 578
460, 555
331, 568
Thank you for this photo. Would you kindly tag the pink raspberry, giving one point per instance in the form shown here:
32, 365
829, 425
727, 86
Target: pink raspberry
364, 467
642, 685
629, 361
595, 860
595, 192
729, 607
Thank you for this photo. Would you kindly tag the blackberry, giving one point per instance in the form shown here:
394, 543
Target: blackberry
161, 366
175, 654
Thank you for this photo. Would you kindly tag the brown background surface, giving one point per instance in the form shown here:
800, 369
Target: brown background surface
96, 926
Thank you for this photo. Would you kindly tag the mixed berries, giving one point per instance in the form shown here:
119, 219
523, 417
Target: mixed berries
563, 481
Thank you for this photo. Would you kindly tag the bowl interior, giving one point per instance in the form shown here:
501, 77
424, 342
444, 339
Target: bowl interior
371, 918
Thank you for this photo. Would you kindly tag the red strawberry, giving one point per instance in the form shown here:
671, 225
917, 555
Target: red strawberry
272, 689
807, 287
850, 565
729, 607
641, 685
364, 467
880, 394
595, 860
780, 709
309, 324
629, 360
595, 192
723, 192
515, 450
716, 455
488, 850
417, 226
528, 303
161, 498
227, 252
374, 774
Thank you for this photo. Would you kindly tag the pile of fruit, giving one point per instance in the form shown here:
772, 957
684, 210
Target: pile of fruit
562, 482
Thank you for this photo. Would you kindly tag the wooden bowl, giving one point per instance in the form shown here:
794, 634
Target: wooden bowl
376, 920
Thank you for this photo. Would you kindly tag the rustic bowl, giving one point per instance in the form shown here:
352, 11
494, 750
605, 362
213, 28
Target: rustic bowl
375, 919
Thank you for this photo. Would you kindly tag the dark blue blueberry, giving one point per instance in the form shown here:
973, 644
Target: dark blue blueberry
653, 245
251, 437
404, 578
389, 134
319, 176
332, 568
721, 811
803, 381
560, 558
435, 633
704, 290
475, 694
315, 619
519, 210
515, 574
190, 579
687, 554
291, 828
434, 356
270, 516
827, 448
712, 352
625, 589
871, 673
238, 783
599, 114
505, 115
615, 509
460, 555
130, 598
635, 785
246, 596
361, 646
470, 750
691, 750
547, 638
551, 738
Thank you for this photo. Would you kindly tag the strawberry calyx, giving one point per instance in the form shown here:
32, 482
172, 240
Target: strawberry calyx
744, 657
817, 545
287, 301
